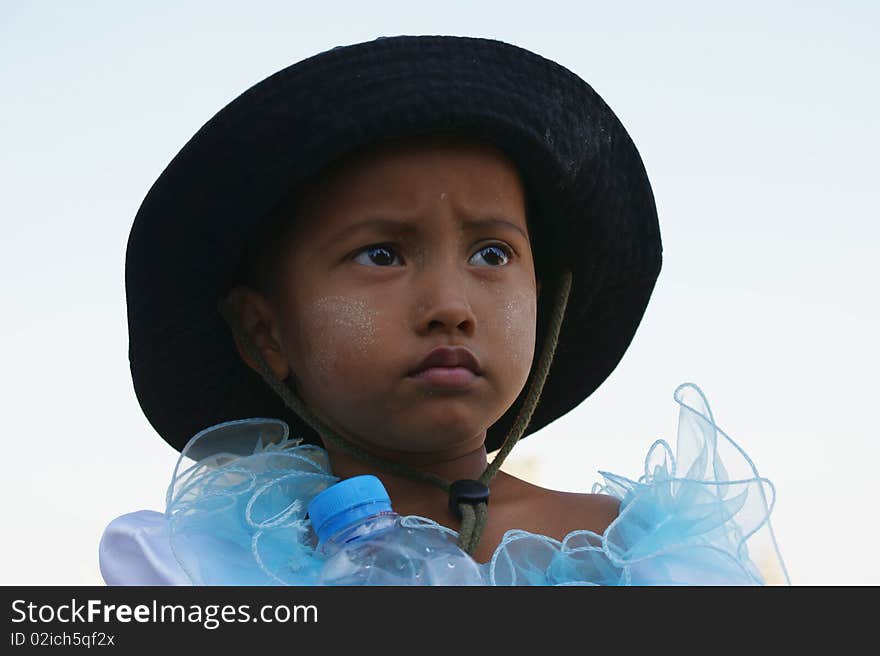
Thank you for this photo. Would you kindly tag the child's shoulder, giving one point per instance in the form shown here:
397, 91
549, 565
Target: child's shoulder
593, 512
515, 504
555, 513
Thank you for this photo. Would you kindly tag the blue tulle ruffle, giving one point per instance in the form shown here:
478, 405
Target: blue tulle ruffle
697, 516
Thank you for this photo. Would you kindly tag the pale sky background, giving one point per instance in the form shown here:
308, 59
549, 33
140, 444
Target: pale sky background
758, 125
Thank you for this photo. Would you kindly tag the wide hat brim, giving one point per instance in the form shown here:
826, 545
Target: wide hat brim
590, 198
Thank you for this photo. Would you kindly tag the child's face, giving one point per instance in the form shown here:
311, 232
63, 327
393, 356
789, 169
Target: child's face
358, 308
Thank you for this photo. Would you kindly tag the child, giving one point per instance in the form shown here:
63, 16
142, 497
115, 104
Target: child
412, 251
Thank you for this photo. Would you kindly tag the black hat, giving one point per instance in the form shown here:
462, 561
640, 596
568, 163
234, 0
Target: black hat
589, 201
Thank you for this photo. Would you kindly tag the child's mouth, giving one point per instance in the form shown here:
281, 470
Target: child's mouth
446, 377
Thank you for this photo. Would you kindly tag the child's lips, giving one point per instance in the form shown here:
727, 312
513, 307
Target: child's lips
446, 377
449, 357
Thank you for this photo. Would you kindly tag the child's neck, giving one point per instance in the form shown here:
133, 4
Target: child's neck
412, 497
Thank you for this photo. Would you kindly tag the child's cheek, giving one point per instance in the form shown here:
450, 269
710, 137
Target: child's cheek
338, 332
515, 325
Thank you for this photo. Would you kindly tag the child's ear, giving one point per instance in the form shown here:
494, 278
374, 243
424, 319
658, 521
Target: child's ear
259, 322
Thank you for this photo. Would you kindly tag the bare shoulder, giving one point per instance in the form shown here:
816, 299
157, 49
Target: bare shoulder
557, 513
592, 512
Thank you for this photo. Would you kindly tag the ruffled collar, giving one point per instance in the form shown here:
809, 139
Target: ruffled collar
237, 516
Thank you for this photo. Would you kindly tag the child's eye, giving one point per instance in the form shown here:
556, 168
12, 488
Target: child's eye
385, 254
496, 252
377, 254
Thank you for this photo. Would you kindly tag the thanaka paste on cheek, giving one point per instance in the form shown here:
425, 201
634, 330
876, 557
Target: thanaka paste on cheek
336, 328
517, 324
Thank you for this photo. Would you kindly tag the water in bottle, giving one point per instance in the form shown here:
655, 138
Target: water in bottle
365, 542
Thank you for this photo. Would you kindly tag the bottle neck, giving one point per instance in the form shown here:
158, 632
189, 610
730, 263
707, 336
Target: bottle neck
363, 527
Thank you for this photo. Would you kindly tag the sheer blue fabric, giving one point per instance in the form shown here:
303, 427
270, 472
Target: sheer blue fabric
696, 516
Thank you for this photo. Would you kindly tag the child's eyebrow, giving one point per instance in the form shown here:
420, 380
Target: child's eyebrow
407, 227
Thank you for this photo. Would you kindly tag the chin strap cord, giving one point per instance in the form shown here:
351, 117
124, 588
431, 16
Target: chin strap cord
472, 505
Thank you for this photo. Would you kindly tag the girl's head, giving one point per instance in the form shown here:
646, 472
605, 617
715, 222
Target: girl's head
344, 326
390, 253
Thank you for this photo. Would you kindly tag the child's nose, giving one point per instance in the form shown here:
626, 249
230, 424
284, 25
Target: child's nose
445, 304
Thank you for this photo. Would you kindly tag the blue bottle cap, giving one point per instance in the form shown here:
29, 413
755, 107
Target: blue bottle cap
347, 502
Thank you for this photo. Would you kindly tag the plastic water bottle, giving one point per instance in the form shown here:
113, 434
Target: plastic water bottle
365, 542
